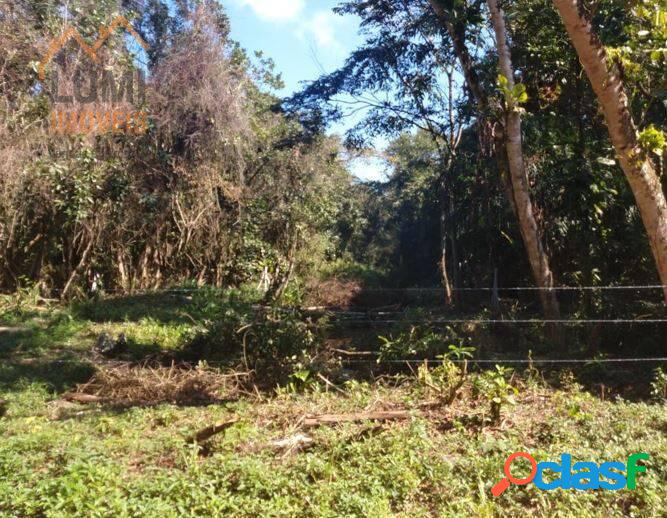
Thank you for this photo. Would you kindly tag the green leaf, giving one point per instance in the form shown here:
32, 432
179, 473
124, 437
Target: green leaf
652, 139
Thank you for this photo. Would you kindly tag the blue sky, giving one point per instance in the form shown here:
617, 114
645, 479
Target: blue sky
305, 39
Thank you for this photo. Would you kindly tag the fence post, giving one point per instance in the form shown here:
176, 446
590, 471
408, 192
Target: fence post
495, 297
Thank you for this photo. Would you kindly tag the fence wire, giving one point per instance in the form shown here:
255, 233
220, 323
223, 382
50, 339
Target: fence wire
370, 361
433, 289
519, 288
509, 361
572, 322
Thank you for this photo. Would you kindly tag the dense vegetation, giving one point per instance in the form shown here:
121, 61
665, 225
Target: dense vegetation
222, 188
227, 187
452, 202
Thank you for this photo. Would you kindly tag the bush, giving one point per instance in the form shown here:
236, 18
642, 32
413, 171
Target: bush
272, 342
659, 385
418, 342
493, 386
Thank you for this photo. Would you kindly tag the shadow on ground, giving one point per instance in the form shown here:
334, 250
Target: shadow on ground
58, 375
162, 307
14, 339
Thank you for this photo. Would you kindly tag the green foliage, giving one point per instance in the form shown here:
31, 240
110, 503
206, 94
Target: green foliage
223, 188
299, 381
652, 139
458, 353
61, 458
23, 301
659, 385
416, 342
94, 462
516, 95
272, 342
444, 380
368, 275
494, 387
447, 378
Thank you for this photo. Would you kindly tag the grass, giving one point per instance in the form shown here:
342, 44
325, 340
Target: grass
65, 459
152, 323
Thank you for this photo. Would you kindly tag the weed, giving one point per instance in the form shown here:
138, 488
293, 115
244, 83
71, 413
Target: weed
418, 342
493, 386
447, 378
273, 343
130, 457
659, 385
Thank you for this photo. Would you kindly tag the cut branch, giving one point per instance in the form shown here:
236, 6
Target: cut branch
333, 419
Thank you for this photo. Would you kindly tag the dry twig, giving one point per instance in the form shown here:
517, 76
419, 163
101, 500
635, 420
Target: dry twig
332, 419
210, 431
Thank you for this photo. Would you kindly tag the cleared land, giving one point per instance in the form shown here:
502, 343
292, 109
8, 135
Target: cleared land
139, 450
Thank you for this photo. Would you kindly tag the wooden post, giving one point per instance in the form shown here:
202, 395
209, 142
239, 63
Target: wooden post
495, 297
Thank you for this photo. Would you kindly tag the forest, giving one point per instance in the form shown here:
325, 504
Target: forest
205, 312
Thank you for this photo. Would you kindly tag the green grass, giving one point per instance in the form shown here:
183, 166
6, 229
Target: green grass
65, 459
70, 460
151, 323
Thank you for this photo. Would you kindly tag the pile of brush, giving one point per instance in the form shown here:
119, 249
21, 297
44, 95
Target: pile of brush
146, 385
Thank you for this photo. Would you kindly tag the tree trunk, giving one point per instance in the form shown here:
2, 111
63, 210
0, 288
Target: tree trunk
445, 213
509, 155
539, 261
462, 54
77, 271
637, 166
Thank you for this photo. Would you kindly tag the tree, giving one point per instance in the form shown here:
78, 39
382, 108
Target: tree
401, 79
221, 188
519, 191
636, 164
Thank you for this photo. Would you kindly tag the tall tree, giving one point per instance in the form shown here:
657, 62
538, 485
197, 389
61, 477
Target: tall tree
635, 162
519, 189
400, 79
539, 260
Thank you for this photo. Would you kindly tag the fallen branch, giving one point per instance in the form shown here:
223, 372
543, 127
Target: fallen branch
84, 398
332, 419
329, 384
210, 431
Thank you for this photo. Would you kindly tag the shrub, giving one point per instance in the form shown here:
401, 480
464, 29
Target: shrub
493, 386
659, 385
417, 342
272, 342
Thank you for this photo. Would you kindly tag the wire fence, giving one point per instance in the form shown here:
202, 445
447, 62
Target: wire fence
375, 361
570, 322
390, 318
498, 361
427, 289
518, 288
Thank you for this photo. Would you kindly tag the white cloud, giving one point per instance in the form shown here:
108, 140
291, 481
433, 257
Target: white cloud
275, 10
322, 28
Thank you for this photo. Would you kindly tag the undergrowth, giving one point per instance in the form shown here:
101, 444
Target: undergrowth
126, 452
